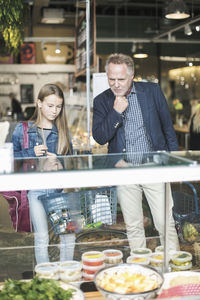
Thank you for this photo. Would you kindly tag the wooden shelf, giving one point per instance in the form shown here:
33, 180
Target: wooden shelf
36, 68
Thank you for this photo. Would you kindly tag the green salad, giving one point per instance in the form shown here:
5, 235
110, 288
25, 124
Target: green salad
35, 289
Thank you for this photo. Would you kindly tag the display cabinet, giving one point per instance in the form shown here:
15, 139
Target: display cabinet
80, 173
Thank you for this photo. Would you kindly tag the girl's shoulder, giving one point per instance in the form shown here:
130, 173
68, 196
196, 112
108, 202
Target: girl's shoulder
19, 126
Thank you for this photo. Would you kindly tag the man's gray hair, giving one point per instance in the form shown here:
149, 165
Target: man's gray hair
118, 59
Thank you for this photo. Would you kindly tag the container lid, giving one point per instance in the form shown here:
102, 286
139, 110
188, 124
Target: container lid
138, 260
46, 268
181, 267
159, 248
140, 252
93, 268
181, 257
93, 256
89, 276
113, 253
71, 265
157, 257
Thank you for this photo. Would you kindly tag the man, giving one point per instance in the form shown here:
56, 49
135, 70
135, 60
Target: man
133, 117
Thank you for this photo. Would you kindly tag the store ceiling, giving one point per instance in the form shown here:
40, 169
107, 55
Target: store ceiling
149, 12
129, 21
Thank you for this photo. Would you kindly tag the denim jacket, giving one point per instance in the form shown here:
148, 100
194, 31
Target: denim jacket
34, 139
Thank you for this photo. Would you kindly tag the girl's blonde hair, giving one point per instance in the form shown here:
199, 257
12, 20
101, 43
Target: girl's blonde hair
196, 121
61, 120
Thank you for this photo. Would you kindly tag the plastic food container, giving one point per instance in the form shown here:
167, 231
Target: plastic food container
88, 277
93, 269
93, 258
156, 260
47, 270
138, 260
181, 258
159, 249
175, 268
70, 271
113, 256
141, 252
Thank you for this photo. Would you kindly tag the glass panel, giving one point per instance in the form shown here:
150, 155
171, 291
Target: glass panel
95, 162
191, 155
91, 216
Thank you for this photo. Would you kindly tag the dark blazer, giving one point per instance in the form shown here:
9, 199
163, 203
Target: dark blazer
108, 124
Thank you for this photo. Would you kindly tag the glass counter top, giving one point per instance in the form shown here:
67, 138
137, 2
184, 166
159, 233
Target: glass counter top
99, 170
191, 155
100, 161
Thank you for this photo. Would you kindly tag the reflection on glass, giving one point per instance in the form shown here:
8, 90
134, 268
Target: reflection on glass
95, 162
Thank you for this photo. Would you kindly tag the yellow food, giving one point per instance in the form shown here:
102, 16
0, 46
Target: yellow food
125, 282
138, 259
159, 257
181, 263
93, 255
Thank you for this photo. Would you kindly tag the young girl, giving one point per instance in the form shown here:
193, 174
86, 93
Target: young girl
48, 136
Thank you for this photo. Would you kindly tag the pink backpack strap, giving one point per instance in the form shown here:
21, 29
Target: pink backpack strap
25, 135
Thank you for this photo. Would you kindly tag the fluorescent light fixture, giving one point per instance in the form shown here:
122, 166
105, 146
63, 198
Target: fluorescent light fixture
140, 55
140, 52
179, 58
53, 16
177, 9
187, 29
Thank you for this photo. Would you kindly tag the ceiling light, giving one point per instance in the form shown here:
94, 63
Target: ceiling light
53, 16
140, 53
197, 28
177, 9
57, 51
187, 29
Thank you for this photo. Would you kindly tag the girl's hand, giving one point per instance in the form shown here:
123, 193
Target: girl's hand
50, 163
51, 154
40, 150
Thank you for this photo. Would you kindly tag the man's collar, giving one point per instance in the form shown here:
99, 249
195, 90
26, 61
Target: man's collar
131, 90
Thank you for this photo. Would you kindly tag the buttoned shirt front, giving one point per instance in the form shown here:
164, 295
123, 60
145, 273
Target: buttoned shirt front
136, 137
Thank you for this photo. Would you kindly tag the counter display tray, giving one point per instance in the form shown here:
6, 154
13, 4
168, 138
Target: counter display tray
179, 284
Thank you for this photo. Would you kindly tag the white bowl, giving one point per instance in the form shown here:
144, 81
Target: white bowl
77, 294
152, 277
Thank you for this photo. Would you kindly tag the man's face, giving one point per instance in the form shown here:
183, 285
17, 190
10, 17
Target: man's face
119, 79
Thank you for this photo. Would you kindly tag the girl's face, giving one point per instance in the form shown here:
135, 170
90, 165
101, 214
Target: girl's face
50, 107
